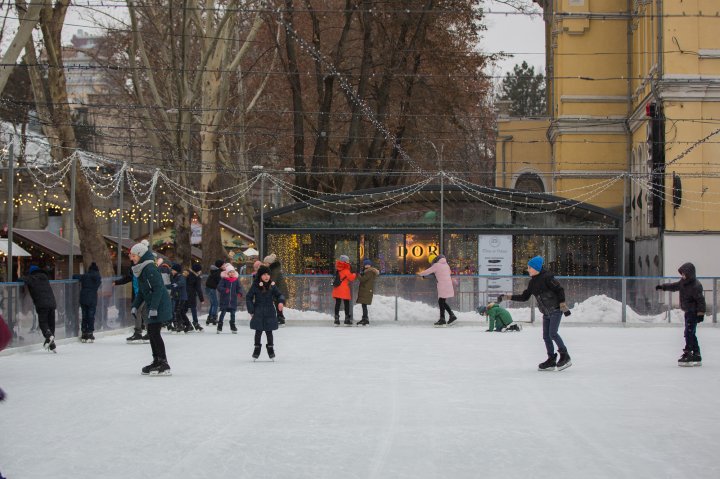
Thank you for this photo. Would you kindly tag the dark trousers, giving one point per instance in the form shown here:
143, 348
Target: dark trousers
442, 302
365, 311
193, 311
46, 320
156, 342
181, 313
222, 316
88, 318
691, 342
338, 302
551, 324
258, 336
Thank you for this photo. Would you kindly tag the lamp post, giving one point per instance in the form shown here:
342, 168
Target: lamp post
442, 196
261, 243
10, 210
73, 174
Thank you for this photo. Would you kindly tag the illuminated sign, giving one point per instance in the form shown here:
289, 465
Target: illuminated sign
417, 251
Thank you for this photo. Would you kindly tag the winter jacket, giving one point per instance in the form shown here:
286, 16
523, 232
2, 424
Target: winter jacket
276, 276
152, 290
126, 278
547, 291
178, 285
228, 291
194, 289
260, 302
213, 279
692, 299
441, 270
166, 275
343, 291
498, 317
38, 284
367, 284
90, 282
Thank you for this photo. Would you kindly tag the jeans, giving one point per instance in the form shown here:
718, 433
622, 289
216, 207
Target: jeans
365, 311
88, 318
691, 342
551, 324
222, 316
212, 296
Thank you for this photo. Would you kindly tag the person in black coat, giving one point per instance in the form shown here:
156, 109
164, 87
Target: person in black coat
179, 296
692, 302
261, 301
90, 282
195, 292
211, 284
37, 282
550, 297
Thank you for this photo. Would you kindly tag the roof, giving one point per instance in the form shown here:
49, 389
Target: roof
126, 243
49, 241
17, 249
236, 231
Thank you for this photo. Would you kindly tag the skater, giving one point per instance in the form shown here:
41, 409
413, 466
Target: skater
195, 293
211, 284
90, 282
276, 276
139, 319
341, 289
152, 292
38, 284
692, 302
499, 318
179, 296
441, 270
365, 291
261, 303
550, 297
228, 291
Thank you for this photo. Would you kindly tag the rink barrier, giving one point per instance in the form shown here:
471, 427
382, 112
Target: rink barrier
397, 298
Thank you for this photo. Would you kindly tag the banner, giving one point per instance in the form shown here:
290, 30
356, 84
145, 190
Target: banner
495, 258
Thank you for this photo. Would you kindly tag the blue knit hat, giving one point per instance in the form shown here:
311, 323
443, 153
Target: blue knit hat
367, 262
536, 263
33, 268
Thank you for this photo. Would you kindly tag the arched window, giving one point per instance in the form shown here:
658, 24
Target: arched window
530, 182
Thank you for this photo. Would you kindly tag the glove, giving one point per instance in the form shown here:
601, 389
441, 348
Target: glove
565, 310
658, 287
152, 313
134, 312
500, 299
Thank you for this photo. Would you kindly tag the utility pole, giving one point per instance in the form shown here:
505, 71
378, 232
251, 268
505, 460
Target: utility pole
10, 209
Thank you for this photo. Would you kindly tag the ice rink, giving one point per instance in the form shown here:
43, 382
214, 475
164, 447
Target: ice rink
387, 401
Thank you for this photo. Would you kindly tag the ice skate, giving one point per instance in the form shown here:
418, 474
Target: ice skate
685, 359
564, 361
689, 360
271, 351
348, 322
135, 338
146, 370
695, 360
337, 321
146, 338
90, 338
281, 321
549, 364
233, 329
49, 344
256, 351
198, 327
440, 323
363, 322
452, 320
219, 328
83, 338
161, 369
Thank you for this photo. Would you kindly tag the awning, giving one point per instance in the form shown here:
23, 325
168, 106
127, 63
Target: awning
16, 249
47, 240
126, 243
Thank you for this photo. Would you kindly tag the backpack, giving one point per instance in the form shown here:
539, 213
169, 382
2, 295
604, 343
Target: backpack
336, 280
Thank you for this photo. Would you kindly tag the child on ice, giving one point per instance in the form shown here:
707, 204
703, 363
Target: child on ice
228, 291
365, 291
441, 270
499, 318
341, 289
692, 302
261, 303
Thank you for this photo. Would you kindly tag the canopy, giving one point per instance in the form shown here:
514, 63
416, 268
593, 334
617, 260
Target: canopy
16, 249
251, 252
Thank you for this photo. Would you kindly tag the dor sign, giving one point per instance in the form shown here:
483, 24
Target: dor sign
417, 251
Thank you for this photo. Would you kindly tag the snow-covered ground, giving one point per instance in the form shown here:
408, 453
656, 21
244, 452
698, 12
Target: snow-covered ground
387, 401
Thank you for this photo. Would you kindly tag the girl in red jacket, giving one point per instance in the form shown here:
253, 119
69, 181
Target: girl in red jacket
341, 289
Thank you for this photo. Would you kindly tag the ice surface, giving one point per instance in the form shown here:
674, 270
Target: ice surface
386, 401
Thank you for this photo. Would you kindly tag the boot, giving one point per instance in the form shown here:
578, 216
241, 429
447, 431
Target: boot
337, 320
135, 338
90, 338
219, 328
548, 365
452, 319
348, 321
162, 368
197, 326
564, 361
364, 321
685, 358
83, 338
233, 329
696, 359
440, 323
256, 351
271, 351
146, 370
210, 320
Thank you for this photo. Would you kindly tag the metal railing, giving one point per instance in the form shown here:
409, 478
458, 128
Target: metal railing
592, 299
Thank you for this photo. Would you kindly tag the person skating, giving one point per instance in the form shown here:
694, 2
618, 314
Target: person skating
37, 282
341, 289
441, 270
228, 291
152, 292
276, 276
692, 302
550, 297
195, 293
90, 282
261, 301
211, 284
365, 291
139, 319
179, 298
499, 318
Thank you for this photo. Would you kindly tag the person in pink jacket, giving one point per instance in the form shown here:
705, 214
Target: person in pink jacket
441, 270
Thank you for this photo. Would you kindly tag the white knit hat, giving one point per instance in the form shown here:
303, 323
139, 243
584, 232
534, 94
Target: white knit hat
140, 248
270, 259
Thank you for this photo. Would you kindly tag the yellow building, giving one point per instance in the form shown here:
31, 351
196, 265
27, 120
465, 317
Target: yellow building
634, 107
